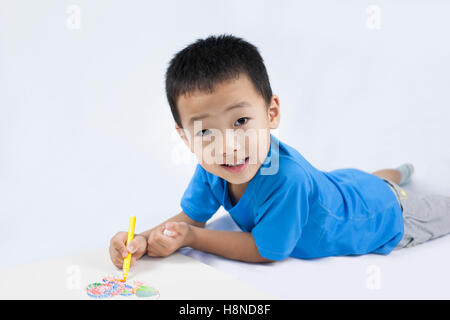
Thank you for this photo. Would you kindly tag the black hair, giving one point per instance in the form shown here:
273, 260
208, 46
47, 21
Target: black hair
207, 62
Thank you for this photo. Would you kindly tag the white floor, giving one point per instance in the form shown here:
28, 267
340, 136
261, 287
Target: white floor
87, 138
414, 273
68, 277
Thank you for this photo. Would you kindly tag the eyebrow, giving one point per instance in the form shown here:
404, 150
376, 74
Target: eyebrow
237, 105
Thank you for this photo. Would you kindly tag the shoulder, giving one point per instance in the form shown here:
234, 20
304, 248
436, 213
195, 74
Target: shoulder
291, 164
289, 173
292, 169
205, 176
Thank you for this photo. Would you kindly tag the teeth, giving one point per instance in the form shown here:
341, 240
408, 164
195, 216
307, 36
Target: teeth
237, 164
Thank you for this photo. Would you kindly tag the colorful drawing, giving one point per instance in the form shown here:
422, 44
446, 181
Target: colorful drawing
110, 287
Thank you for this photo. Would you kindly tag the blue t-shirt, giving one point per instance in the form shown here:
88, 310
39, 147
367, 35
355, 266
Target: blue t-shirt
293, 209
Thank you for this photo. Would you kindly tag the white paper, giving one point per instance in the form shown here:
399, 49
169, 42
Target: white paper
176, 277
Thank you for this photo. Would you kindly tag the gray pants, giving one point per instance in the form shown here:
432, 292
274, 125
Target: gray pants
425, 217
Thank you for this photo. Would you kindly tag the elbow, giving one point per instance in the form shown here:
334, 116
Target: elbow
260, 258
265, 260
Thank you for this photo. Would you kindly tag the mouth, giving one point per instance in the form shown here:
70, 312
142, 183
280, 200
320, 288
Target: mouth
236, 168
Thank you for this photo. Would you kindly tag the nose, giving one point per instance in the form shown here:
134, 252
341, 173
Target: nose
232, 147
231, 143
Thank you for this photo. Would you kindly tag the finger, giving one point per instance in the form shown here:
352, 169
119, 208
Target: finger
172, 229
133, 246
157, 253
141, 243
156, 247
160, 238
177, 229
122, 252
116, 256
118, 263
153, 254
118, 242
119, 238
168, 233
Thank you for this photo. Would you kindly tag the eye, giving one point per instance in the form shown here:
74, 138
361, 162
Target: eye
244, 119
202, 133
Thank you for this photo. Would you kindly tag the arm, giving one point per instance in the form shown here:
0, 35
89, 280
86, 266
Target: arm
229, 244
181, 217
139, 245
188, 232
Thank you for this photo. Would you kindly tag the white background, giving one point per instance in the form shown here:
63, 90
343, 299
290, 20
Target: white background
86, 134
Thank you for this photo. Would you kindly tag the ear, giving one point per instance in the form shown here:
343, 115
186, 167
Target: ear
184, 136
274, 112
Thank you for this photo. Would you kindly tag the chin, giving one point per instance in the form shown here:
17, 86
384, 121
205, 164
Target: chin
239, 178
234, 180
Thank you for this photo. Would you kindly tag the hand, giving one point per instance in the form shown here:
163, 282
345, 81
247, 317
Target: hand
118, 250
167, 239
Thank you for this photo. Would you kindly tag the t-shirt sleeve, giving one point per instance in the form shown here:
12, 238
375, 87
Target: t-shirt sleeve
198, 201
281, 216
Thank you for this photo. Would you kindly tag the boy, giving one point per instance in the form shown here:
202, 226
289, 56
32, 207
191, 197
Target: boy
221, 100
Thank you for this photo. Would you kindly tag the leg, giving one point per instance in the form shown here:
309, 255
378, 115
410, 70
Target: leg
390, 174
426, 217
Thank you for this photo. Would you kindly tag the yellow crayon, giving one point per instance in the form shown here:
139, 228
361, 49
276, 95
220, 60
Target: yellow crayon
130, 236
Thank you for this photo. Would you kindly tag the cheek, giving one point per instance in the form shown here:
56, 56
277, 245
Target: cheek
207, 154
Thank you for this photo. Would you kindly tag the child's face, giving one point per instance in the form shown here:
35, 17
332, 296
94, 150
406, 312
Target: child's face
229, 136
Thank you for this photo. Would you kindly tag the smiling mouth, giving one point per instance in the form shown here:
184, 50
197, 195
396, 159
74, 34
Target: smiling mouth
239, 163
